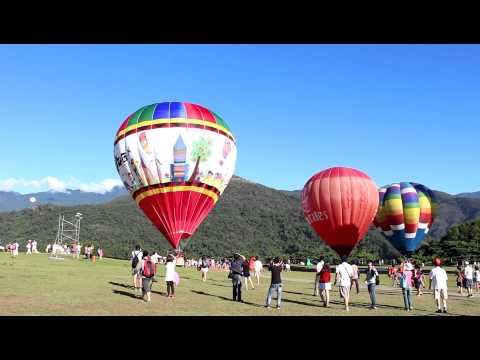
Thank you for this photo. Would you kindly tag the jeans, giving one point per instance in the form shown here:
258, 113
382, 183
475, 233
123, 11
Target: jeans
278, 289
407, 298
237, 287
371, 292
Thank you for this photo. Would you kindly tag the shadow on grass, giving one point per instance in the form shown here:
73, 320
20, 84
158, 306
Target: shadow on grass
296, 293
126, 286
300, 302
124, 293
224, 298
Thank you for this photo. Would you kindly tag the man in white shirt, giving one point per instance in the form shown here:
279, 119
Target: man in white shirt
258, 266
343, 277
317, 275
438, 280
34, 247
468, 273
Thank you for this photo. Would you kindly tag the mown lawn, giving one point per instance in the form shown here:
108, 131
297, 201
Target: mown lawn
37, 285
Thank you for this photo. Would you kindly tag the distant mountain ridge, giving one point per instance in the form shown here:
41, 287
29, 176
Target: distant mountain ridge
249, 218
14, 201
471, 195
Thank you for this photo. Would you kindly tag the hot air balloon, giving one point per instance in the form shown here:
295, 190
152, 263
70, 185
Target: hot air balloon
405, 214
339, 204
171, 157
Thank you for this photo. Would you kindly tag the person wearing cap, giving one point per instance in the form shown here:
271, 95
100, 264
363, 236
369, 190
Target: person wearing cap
438, 281
406, 284
468, 274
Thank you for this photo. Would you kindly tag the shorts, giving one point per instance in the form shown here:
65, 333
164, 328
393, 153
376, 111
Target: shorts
344, 291
440, 293
468, 283
136, 272
325, 286
205, 270
147, 284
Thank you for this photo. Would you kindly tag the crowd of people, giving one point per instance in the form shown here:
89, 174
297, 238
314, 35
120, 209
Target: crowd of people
409, 276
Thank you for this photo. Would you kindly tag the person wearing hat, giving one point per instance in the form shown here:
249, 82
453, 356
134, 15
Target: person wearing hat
406, 284
438, 280
468, 274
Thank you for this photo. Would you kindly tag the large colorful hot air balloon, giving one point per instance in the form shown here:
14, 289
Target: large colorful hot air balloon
405, 214
340, 204
175, 159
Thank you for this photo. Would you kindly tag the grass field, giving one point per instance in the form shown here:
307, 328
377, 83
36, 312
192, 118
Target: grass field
37, 285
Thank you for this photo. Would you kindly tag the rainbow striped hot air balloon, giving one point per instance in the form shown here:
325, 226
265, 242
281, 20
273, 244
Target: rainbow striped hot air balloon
171, 157
405, 214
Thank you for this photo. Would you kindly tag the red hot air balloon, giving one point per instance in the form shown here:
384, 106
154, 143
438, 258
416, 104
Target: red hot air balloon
339, 204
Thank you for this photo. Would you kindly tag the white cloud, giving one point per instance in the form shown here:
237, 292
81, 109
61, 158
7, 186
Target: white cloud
51, 183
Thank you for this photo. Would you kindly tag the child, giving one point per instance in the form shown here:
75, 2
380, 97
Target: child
460, 279
418, 279
324, 285
476, 278
170, 276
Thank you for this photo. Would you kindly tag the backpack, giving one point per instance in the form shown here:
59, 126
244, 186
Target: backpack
149, 269
135, 260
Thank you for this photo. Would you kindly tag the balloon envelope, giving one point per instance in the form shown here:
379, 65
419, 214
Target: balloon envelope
175, 159
339, 204
405, 214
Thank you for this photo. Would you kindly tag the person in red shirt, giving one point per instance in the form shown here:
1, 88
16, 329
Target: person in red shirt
324, 285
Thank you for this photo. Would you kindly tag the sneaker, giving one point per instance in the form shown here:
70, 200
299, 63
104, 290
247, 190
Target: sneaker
268, 306
278, 307
444, 311
438, 311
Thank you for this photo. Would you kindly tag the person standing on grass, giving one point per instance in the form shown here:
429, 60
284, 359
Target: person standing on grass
170, 276
246, 273
34, 247
137, 256
258, 269
236, 272
476, 278
317, 275
204, 268
324, 285
14, 249
438, 280
355, 276
275, 267
29, 247
148, 272
459, 279
468, 274
344, 273
371, 282
418, 279
406, 284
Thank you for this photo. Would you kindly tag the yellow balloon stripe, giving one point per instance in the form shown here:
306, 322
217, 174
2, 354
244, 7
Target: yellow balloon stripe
164, 190
174, 121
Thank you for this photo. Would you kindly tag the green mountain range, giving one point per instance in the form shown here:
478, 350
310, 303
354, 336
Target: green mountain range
249, 218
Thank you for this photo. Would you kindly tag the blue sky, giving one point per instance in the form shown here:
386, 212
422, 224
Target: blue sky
396, 112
